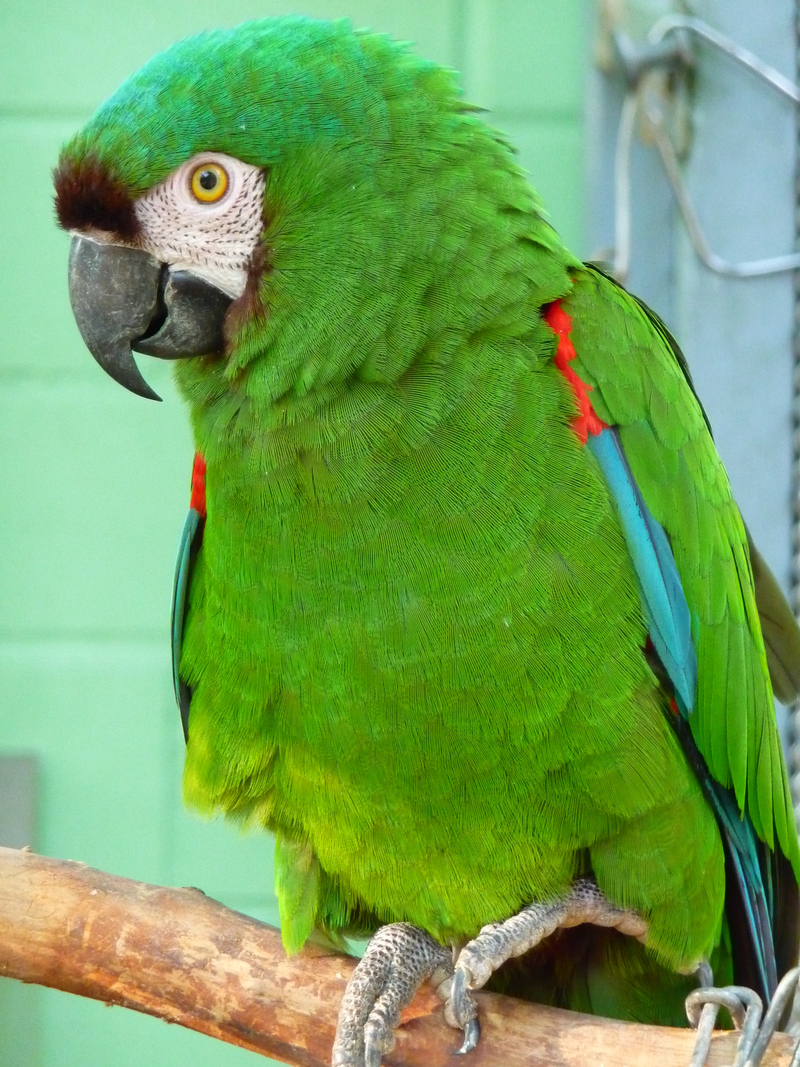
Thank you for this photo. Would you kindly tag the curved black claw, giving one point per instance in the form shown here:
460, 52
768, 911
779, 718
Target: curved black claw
373, 1051
461, 1009
472, 1035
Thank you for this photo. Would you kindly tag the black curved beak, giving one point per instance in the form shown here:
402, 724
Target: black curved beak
124, 299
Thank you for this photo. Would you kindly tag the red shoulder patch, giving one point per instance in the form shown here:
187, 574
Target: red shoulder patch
198, 500
587, 421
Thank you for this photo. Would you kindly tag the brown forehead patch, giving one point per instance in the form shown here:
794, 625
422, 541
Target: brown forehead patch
89, 197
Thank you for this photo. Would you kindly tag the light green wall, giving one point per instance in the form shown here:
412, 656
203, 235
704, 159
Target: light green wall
94, 481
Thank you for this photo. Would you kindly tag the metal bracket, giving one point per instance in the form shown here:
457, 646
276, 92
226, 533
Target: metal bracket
666, 47
634, 60
683, 24
745, 1007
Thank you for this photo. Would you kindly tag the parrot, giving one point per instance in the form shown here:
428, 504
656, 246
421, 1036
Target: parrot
465, 613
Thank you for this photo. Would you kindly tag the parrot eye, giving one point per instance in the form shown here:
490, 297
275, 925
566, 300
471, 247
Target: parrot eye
209, 183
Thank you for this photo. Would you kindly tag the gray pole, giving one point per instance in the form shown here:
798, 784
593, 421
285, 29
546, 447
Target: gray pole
738, 333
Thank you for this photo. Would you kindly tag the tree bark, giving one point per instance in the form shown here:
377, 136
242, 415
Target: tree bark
185, 958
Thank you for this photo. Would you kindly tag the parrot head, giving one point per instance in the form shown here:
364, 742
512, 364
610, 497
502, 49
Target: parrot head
280, 206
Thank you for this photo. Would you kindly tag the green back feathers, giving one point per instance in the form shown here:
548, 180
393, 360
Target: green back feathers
640, 383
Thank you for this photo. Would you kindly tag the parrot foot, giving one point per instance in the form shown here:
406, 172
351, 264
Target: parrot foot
498, 942
399, 958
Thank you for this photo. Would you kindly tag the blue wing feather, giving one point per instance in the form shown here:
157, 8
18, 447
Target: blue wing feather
191, 536
669, 620
670, 628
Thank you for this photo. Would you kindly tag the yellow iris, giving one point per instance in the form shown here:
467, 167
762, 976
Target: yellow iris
209, 183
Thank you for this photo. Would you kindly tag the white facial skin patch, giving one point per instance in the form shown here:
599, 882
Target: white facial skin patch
206, 217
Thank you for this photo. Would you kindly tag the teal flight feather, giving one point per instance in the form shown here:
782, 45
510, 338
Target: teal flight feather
669, 620
187, 549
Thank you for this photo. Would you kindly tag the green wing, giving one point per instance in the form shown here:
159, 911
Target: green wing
641, 384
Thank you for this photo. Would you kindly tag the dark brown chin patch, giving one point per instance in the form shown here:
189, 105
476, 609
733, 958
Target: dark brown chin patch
89, 197
250, 304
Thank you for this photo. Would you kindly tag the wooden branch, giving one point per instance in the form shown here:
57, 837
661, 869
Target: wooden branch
183, 957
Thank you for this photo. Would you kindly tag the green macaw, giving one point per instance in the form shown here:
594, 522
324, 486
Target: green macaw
465, 612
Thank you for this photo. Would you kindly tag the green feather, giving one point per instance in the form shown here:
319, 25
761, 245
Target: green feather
297, 884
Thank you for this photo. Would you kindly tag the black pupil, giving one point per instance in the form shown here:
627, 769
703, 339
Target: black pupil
208, 180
